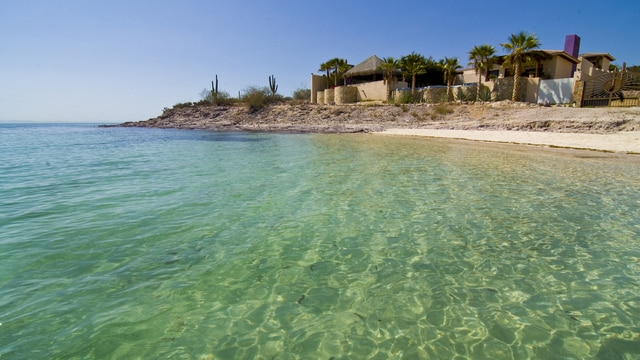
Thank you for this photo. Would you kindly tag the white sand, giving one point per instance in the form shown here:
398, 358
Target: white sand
626, 142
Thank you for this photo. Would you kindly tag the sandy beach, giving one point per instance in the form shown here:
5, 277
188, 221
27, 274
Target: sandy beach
625, 142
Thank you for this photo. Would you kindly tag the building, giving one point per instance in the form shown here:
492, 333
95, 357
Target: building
553, 77
364, 83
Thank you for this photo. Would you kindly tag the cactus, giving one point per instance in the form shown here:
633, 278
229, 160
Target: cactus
272, 85
214, 91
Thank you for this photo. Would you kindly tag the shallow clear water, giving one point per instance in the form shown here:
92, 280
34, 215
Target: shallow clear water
138, 243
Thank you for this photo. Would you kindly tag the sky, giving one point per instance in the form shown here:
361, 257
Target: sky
125, 60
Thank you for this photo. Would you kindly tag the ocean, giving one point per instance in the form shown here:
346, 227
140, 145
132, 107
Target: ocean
128, 243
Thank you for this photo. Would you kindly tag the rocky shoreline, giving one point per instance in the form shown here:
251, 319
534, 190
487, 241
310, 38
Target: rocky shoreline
365, 118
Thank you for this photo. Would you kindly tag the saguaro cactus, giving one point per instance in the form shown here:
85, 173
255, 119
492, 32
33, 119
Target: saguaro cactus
272, 85
214, 91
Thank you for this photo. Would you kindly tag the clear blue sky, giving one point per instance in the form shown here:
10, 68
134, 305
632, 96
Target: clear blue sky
116, 60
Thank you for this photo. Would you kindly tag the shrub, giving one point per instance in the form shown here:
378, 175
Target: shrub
225, 99
485, 94
183, 105
255, 98
464, 95
407, 97
207, 98
302, 94
443, 109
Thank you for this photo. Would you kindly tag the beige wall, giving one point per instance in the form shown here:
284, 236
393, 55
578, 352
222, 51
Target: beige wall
586, 69
317, 84
532, 90
375, 90
557, 68
468, 76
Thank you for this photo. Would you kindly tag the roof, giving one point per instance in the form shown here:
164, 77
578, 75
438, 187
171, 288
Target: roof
549, 53
562, 54
368, 67
597, 54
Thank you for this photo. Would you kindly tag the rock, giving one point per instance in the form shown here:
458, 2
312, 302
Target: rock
368, 118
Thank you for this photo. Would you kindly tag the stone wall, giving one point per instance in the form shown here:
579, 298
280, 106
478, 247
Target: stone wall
435, 95
578, 92
319, 98
464, 93
346, 95
329, 96
403, 96
503, 89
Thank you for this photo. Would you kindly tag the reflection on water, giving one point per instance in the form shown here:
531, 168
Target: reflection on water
331, 246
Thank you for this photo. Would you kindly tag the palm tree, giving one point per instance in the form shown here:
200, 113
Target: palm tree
339, 67
482, 58
326, 66
389, 68
450, 67
412, 65
519, 46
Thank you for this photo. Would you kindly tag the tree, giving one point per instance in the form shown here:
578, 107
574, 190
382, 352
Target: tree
389, 68
326, 66
339, 67
412, 65
302, 94
450, 67
482, 57
519, 46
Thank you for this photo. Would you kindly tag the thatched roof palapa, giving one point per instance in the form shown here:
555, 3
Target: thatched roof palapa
370, 66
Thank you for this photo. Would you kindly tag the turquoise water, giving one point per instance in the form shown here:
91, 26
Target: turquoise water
142, 244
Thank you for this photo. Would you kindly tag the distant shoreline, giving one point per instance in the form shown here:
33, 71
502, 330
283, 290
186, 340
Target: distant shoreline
413, 119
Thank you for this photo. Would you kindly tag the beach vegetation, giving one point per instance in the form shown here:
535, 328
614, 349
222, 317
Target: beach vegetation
214, 91
273, 87
371, 103
462, 95
443, 109
484, 94
183, 105
302, 94
409, 98
520, 48
255, 98
222, 98
413, 65
482, 58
